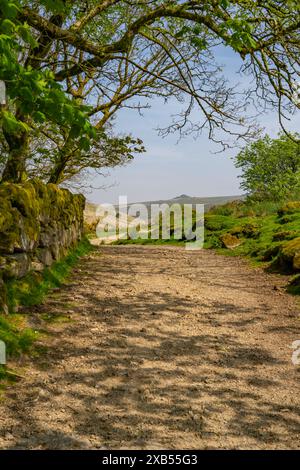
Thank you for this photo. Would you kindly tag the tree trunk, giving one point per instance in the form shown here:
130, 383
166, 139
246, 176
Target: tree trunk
15, 169
57, 171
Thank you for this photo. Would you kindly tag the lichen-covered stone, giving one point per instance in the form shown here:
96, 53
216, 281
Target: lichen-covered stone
37, 266
230, 241
17, 265
248, 230
296, 262
44, 256
289, 256
251, 230
46, 237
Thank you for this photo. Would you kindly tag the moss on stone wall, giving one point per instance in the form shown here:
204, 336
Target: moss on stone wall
38, 224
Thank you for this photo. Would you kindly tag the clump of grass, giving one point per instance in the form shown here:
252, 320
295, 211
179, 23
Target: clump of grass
19, 339
56, 318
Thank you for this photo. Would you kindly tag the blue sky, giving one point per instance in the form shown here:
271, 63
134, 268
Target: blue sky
170, 168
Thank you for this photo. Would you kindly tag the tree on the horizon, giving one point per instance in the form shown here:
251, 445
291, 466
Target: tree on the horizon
69, 67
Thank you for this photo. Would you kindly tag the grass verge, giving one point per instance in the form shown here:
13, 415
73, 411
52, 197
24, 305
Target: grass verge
31, 290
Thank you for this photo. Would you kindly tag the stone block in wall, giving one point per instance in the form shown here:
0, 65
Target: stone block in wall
37, 266
16, 266
19, 230
44, 256
28, 239
47, 236
7, 243
55, 250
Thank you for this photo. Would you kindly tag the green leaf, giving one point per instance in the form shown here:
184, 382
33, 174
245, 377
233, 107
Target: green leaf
252, 42
9, 9
56, 6
225, 4
68, 112
11, 124
24, 32
199, 43
75, 131
7, 26
182, 32
25, 93
85, 143
38, 116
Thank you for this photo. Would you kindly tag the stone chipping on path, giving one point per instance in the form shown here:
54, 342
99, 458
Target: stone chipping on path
155, 347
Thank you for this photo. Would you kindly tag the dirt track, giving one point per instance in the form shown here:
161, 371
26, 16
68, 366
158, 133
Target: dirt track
165, 349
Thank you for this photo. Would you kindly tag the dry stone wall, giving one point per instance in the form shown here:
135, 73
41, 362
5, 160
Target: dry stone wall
38, 224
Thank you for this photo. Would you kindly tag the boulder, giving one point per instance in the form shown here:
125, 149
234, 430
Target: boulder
46, 237
230, 241
56, 250
289, 256
296, 262
17, 265
248, 230
37, 266
44, 256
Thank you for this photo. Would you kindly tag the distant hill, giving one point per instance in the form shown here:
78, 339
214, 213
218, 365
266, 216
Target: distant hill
182, 196
207, 201
90, 211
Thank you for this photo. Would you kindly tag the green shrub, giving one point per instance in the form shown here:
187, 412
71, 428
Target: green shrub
216, 223
18, 338
230, 208
213, 242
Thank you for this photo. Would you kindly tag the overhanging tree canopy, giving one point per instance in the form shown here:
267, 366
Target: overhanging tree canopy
70, 66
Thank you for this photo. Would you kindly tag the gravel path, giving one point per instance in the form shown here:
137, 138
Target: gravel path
159, 348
